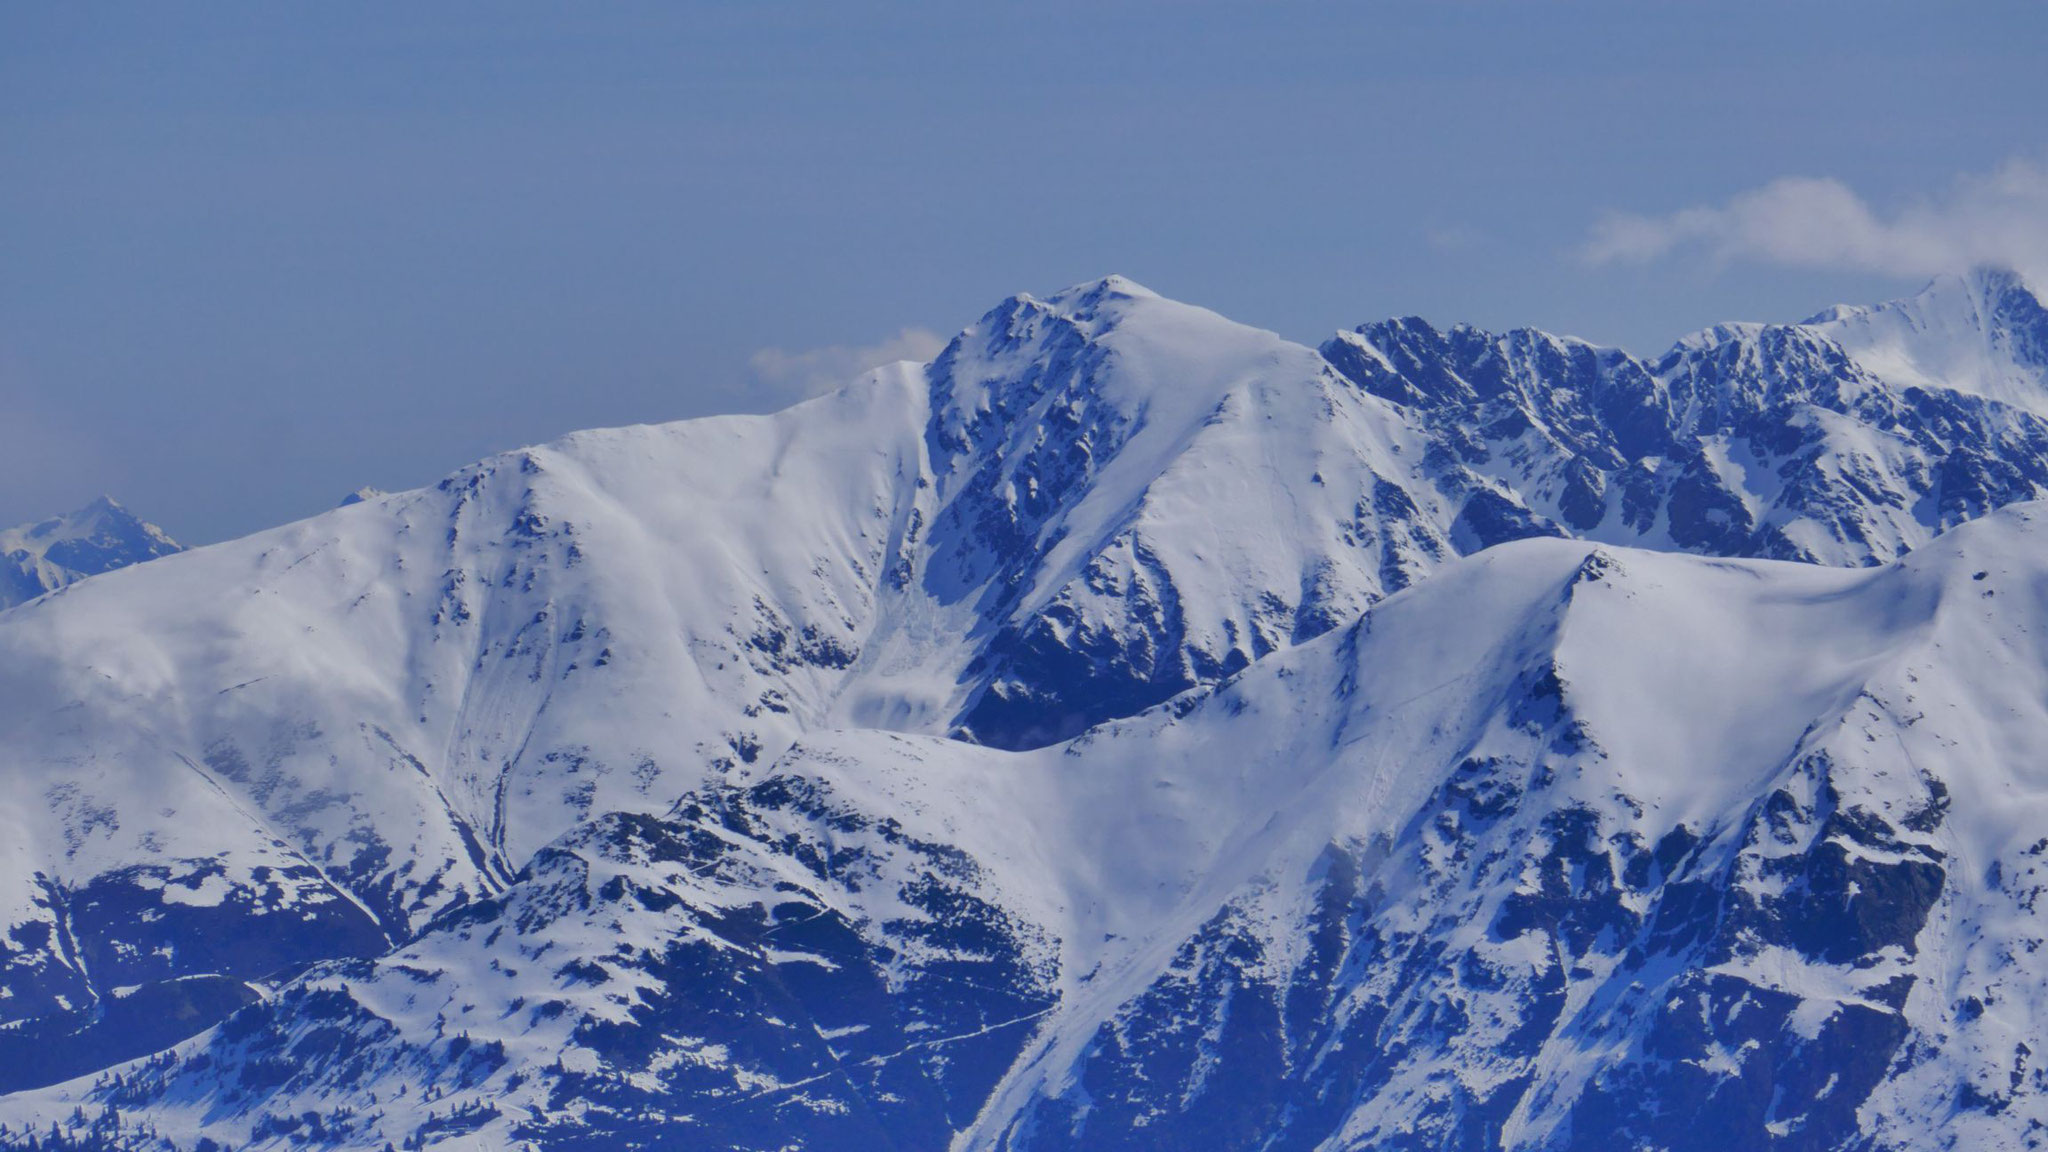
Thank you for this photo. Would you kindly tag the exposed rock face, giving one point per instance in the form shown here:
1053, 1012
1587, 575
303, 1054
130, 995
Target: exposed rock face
1849, 439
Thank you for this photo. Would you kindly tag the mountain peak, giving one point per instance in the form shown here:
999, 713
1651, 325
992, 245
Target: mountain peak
98, 537
1167, 347
1094, 292
1984, 288
1983, 332
1985, 280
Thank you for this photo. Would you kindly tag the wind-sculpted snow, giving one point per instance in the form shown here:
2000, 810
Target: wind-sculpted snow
1093, 739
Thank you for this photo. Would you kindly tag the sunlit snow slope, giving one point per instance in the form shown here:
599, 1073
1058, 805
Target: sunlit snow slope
993, 754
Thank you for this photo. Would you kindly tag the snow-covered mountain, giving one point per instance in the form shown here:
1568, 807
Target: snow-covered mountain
1984, 334
1849, 439
1093, 738
100, 537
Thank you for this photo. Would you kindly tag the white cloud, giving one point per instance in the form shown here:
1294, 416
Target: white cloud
1807, 222
797, 375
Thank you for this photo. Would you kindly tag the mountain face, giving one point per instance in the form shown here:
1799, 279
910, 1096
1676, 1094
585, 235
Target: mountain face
47, 555
1130, 730
1849, 439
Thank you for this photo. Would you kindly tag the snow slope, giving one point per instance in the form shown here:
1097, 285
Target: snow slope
1566, 847
359, 721
362, 719
1984, 333
1040, 782
407, 696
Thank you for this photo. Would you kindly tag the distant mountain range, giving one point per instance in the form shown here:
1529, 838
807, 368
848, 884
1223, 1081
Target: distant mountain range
1130, 730
49, 554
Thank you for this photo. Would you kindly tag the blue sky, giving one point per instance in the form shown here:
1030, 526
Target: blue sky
253, 256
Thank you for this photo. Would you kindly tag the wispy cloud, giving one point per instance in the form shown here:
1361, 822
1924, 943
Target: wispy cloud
1807, 222
1455, 238
786, 375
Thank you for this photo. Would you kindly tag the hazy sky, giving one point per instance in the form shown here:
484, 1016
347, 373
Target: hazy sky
253, 256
